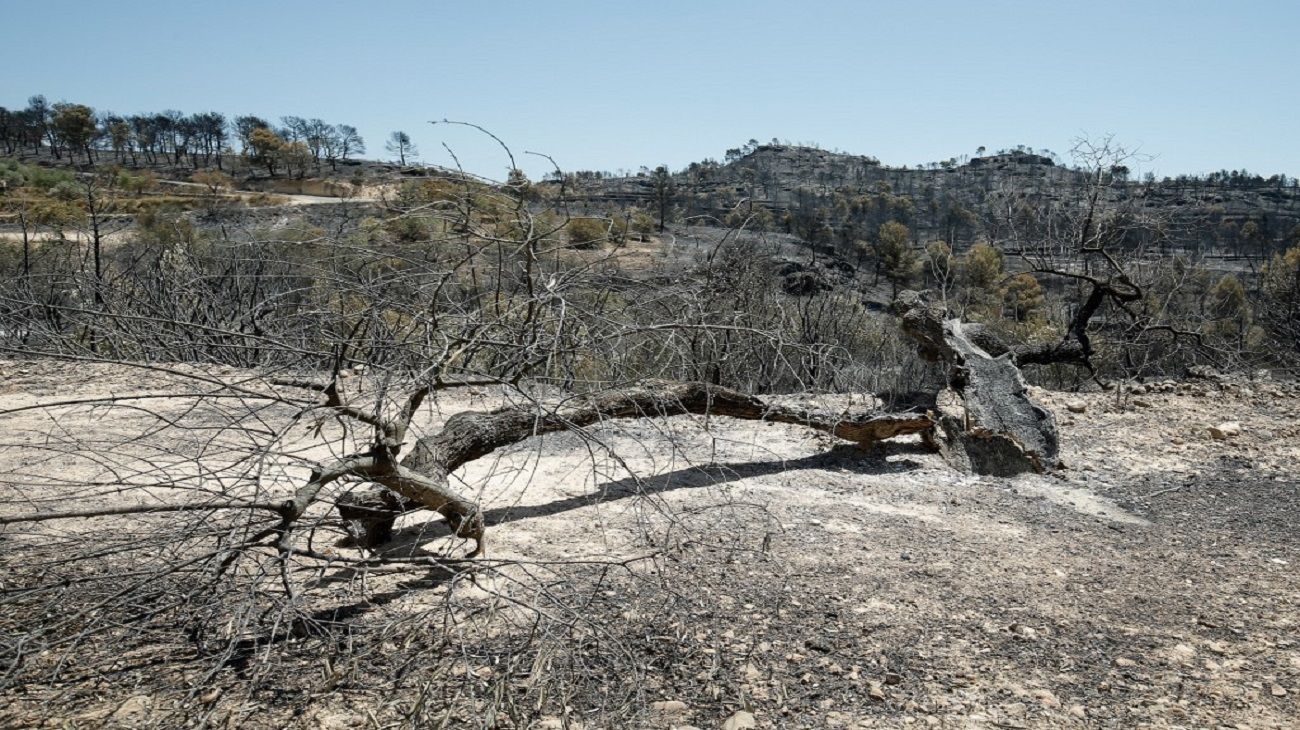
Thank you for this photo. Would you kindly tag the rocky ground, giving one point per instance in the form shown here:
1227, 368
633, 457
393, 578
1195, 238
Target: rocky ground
789, 582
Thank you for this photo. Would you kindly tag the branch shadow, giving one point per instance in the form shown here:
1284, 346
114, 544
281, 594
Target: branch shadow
407, 540
240, 653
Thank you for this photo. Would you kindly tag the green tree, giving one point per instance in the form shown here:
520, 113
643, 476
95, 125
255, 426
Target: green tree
983, 274
1024, 297
896, 259
1279, 311
264, 148
296, 157
120, 138
75, 126
1228, 307
1252, 236
643, 224
587, 232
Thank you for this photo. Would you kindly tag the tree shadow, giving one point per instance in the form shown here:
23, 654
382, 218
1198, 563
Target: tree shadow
407, 540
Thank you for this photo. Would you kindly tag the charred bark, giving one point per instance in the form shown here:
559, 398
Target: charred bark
986, 421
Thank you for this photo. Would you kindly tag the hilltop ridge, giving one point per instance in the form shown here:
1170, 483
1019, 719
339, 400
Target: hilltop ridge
835, 198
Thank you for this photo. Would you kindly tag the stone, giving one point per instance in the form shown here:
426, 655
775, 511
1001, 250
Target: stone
1225, 431
134, 711
669, 707
742, 720
1046, 698
839, 719
1024, 632
1076, 406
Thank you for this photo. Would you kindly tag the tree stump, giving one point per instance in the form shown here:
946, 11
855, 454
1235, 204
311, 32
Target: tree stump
986, 421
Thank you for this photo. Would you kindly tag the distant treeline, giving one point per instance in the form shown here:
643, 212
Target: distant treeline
77, 132
1019, 154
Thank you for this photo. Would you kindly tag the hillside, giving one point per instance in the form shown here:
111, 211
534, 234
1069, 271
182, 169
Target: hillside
834, 198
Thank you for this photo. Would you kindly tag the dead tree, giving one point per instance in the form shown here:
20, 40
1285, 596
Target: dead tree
1104, 246
985, 421
419, 481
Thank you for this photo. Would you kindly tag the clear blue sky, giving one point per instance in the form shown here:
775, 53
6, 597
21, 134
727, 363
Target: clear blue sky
608, 85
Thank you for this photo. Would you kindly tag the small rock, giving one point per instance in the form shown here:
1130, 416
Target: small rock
742, 720
1181, 653
93, 718
876, 692
1078, 711
210, 696
1046, 698
669, 707
1076, 406
1025, 632
1141, 403
1277, 690
1225, 430
134, 710
1124, 662
839, 719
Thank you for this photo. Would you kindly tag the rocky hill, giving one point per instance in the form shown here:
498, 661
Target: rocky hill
823, 194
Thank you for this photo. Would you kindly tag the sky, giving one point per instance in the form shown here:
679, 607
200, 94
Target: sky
1197, 86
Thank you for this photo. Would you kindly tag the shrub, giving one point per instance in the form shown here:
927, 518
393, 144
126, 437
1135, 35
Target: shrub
587, 233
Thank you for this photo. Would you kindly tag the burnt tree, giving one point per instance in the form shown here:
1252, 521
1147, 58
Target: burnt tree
985, 420
420, 480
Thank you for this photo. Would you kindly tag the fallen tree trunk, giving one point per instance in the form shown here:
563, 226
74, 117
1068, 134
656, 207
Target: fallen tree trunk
369, 515
986, 421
